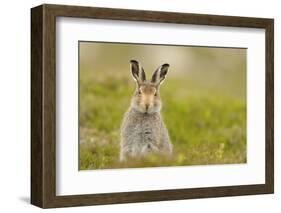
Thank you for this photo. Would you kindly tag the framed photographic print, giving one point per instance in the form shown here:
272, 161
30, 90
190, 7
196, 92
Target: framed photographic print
136, 106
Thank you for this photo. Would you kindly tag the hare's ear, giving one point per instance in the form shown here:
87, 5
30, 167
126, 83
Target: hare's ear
160, 74
137, 72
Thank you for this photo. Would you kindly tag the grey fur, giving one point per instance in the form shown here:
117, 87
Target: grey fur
143, 130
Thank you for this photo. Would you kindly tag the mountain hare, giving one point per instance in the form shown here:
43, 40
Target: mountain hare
143, 130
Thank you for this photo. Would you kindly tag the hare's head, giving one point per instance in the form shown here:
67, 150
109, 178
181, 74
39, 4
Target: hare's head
147, 95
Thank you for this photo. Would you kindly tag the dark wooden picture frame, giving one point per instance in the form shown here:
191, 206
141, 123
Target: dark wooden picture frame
43, 105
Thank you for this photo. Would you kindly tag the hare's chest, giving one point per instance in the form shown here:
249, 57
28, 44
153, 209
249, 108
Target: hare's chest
148, 130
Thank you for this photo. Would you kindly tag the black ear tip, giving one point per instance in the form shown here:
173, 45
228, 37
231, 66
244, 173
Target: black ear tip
134, 62
166, 65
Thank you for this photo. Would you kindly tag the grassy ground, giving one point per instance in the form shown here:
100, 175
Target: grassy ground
207, 124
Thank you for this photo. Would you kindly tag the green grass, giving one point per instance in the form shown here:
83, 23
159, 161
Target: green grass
207, 124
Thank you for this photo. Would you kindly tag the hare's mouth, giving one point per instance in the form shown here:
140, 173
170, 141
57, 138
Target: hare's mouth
149, 111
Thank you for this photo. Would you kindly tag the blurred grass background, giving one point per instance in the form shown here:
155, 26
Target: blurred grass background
204, 103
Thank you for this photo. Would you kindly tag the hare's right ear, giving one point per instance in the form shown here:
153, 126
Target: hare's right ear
137, 72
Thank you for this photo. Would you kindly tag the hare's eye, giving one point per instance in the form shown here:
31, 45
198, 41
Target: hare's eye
139, 92
155, 94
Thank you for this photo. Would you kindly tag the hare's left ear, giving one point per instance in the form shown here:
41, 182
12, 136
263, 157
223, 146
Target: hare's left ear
160, 74
137, 72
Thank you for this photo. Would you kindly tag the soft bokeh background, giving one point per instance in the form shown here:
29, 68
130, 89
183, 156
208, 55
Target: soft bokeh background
204, 102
